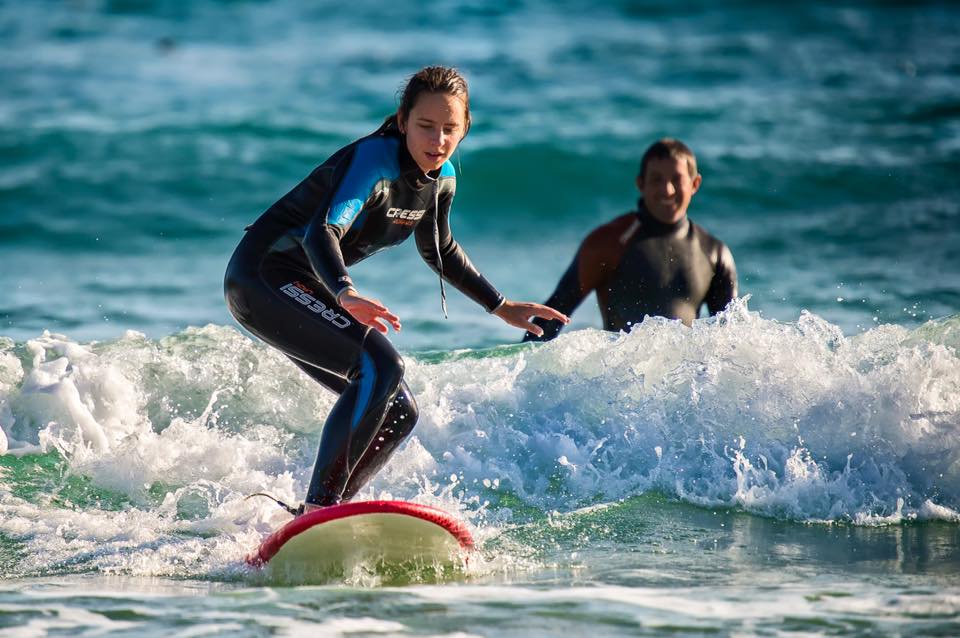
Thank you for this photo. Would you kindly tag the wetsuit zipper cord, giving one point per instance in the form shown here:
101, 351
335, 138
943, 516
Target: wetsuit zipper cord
436, 244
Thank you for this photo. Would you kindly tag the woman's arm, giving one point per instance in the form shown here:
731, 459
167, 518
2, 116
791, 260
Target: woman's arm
351, 184
457, 268
368, 311
433, 233
519, 313
568, 294
321, 242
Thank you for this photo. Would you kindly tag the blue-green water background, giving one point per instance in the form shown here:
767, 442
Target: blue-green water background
667, 481
138, 138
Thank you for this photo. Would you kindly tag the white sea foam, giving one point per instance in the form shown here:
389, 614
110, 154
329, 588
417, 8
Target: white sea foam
782, 419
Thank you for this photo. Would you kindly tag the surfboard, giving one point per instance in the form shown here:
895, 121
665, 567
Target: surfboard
333, 540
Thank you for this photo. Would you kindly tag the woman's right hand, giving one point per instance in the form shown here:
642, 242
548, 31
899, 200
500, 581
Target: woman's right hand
369, 312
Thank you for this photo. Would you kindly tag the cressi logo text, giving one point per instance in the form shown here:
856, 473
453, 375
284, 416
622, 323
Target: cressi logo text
404, 216
301, 294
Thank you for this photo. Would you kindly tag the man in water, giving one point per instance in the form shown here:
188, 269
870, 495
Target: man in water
651, 261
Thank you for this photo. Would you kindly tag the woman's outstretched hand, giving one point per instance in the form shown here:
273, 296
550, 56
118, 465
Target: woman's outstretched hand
518, 314
369, 312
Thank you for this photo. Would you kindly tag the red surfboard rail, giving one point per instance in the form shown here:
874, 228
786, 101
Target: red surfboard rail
272, 544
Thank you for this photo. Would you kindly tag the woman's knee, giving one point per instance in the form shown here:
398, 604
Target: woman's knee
405, 412
385, 358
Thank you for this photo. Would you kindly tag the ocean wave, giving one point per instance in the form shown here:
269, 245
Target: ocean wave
789, 420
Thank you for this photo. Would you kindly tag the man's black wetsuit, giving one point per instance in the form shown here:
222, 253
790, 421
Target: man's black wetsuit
640, 266
284, 277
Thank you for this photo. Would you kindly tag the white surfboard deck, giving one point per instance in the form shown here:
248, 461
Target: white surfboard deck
373, 533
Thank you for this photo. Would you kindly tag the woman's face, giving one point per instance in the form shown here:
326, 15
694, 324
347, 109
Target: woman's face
435, 125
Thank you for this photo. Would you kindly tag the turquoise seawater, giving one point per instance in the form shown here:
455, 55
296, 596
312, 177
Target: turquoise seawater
789, 467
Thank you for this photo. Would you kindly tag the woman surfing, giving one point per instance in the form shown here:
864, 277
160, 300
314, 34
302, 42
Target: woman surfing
287, 282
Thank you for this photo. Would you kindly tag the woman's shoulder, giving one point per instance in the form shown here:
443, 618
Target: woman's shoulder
356, 169
377, 153
447, 170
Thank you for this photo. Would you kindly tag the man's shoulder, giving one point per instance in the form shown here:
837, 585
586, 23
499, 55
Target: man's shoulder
605, 243
611, 231
705, 237
716, 251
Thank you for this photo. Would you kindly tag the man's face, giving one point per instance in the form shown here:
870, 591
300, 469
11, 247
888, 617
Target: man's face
668, 188
434, 127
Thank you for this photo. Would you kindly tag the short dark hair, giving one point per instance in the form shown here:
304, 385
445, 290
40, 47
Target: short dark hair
669, 148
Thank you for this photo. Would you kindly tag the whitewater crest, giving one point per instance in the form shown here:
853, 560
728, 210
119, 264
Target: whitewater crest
785, 419
790, 420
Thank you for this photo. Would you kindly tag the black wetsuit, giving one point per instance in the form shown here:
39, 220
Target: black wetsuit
284, 277
640, 266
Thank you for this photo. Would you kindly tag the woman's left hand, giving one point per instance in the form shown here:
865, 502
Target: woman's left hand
518, 314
